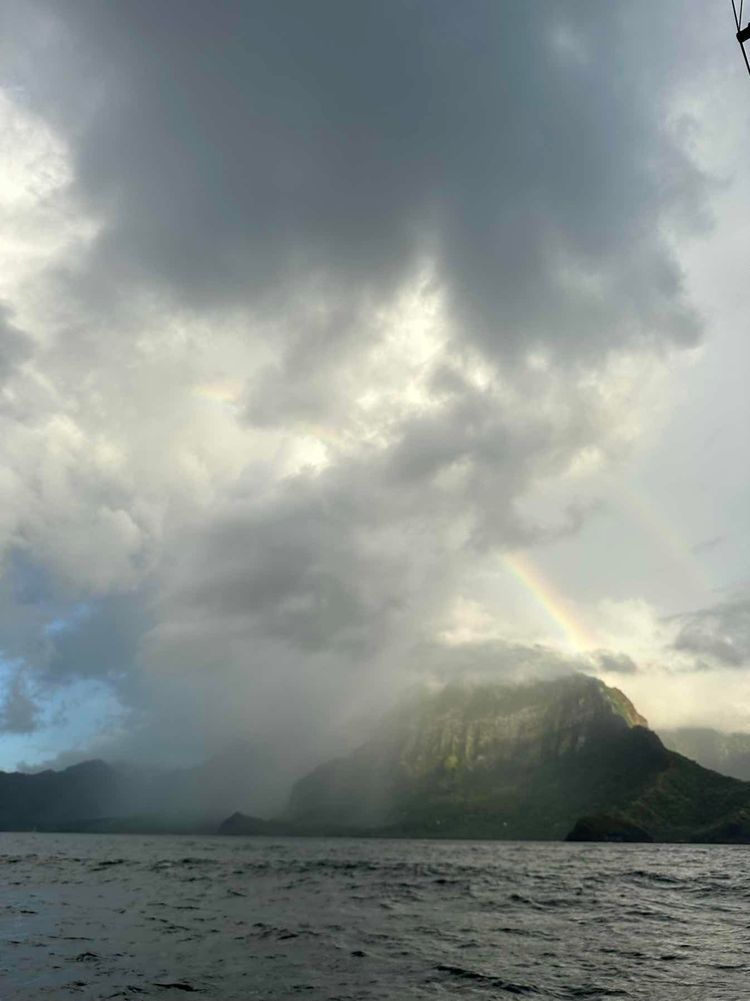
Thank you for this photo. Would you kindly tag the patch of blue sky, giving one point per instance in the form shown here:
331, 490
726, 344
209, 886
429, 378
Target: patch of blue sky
71, 720
72, 618
8, 666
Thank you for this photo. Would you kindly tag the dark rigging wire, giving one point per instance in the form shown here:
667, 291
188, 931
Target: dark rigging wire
738, 22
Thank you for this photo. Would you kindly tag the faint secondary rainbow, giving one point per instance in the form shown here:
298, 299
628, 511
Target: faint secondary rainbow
666, 537
544, 594
219, 392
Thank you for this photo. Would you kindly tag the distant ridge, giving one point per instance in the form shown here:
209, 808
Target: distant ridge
728, 753
51, 799
94, 796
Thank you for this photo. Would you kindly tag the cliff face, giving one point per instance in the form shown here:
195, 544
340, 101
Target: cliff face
487, 760
488, 726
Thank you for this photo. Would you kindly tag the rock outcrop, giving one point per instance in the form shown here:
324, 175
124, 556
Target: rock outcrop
608, 828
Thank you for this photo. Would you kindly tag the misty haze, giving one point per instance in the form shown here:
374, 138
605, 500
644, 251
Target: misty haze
374, 499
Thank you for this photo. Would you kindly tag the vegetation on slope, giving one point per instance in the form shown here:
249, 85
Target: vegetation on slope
525, 761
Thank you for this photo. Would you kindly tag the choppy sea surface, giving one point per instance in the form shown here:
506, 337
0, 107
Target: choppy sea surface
122, 916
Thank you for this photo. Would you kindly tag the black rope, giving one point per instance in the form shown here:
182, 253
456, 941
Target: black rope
738, 22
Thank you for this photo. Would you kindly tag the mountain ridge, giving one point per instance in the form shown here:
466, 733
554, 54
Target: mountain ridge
528, 761
569, 757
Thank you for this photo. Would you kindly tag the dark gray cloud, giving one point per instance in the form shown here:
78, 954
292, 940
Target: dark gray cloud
260, 150
493, 659
99, 640
707, 545
718, 636
613, 662
19, 713
512, 661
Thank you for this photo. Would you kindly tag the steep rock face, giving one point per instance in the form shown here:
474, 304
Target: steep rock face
485, 726
487, 760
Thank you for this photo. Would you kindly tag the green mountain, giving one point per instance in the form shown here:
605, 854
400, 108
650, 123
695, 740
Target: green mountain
728, 753
50, 799
96, 796
540, 761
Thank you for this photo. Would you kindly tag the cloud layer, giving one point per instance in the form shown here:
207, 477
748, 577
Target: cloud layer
305, 306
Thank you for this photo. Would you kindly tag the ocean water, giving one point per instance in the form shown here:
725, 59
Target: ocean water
122, 916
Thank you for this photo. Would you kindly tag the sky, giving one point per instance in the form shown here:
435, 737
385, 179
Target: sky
346, 347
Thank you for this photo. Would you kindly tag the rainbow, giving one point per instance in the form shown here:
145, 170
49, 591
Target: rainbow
218, 392
558, 610
644, 513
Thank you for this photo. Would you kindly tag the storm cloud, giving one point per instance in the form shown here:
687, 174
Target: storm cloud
719, 636
319, 298
258, 152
